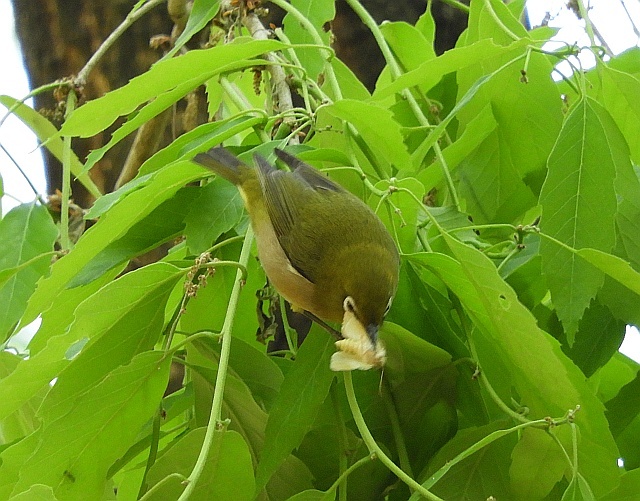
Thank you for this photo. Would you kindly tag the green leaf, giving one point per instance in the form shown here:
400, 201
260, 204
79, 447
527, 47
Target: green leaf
407, 353
117, 322
27, 232
217, 209
429, 73
247, 417
303, 390
491, 20
620, 96
163, 223
378, 129
474, 134
409, 55
628, 489
317, 12
24, 420
202, 11
199, 139
578, 209
513, 349
610, 378
535, 465
47, 133
164, 84
479, 475
111, 227
164, 76
491, 184
599, 336
76, 450
37, 492
624, 408
228, 472
618, 269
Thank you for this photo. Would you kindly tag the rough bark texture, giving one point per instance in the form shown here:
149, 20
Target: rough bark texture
59, 36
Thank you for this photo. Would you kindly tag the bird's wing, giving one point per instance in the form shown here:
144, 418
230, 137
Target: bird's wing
287, 196
308, 174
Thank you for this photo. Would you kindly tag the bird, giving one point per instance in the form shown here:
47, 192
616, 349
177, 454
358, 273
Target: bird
322, 248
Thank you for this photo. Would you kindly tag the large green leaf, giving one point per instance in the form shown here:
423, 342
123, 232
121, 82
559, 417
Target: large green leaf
164, 84
629, 487
303, 390
491, 184
536, 465
599, 337
75, 450
163, 223
378, 129
480, 475
578, 209
27, 232
432, 71
110, 327
246, 417
516, 351
112, 226
164, 76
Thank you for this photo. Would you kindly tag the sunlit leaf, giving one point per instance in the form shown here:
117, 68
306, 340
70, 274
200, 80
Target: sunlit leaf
126, 399
302, 392
27, 231
578, 208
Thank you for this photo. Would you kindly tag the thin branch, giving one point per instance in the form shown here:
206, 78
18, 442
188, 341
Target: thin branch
279, 83
65, 243
215, 417
132, 17
374, 448
24, 175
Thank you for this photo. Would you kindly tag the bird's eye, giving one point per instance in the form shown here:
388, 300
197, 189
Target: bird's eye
349, 304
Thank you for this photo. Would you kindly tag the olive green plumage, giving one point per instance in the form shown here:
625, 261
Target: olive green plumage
318, 243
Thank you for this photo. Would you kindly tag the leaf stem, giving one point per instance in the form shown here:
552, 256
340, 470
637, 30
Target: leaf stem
343, 444
401, 447
342, 479
65, 243
373, 446
153, 449
215, 417
24, 175
587, 22
457, 5
503, 27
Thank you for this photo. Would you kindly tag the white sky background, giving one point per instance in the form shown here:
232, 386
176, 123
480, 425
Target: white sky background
608, 16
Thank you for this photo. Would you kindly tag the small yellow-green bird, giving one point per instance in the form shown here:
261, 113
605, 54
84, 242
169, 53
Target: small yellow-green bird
322, 248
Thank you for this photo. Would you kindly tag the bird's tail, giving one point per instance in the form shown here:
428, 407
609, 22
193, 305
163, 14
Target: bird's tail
224, 164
